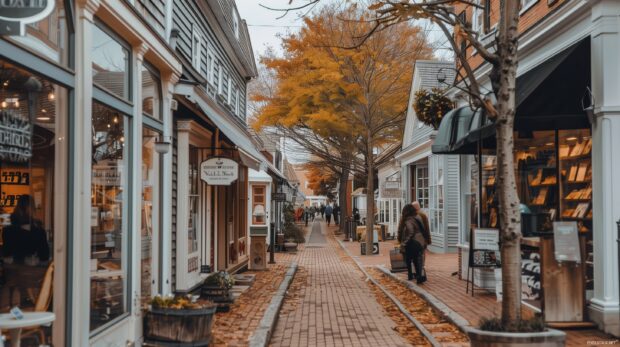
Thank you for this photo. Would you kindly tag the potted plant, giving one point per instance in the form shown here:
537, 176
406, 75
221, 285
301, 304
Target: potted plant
431, 105
217, 289
176, 319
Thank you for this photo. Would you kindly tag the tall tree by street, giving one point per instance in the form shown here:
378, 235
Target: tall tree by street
333, 85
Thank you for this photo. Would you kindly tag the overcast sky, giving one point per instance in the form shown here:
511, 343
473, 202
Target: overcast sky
266, 29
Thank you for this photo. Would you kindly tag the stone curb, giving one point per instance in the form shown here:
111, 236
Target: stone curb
437, 304
262, 334
427, 334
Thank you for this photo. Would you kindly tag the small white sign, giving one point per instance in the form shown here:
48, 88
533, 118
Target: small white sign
219, 171
566, 241
17, 313
486, 239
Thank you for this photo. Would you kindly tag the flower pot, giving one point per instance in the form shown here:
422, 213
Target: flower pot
180, 326
547, 338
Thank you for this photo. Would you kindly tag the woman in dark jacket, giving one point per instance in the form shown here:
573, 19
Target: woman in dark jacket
412, 241
24, 237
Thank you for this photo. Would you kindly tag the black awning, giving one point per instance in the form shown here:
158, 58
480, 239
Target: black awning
547, 97
454, 126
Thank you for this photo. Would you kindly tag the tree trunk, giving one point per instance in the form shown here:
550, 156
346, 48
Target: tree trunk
342, 199
505, 72
370, 196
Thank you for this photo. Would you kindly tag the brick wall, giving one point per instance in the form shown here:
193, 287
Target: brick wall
529, 19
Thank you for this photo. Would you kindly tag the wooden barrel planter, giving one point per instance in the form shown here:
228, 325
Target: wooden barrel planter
179, 327
222, 297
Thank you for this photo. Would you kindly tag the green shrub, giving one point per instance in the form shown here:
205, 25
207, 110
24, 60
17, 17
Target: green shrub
536, 324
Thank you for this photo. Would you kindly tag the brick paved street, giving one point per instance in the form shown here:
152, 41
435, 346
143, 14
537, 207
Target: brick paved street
451, 291
334, 307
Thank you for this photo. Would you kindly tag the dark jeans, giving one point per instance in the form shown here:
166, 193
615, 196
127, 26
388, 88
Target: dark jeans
329, 218
414, 253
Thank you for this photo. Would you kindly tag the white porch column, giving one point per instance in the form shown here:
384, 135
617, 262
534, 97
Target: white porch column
165, 245
80, 151
606, 163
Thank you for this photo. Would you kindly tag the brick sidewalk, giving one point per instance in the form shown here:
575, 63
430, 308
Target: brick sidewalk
451, 291
331, 305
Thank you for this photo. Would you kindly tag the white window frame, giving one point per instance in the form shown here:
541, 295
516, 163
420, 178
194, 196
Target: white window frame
420, 189
477, 19
220, 82
210, 66
196, 49
237, 101
436, 194
526, 5
230, 90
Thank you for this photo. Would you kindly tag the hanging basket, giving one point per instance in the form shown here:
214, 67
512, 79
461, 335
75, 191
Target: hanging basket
431, 105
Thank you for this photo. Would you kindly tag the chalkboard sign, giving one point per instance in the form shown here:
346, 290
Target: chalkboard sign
484, 249
566, 242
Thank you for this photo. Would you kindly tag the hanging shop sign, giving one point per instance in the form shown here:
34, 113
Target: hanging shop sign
15, 137
219, 171
566, 242
484, 251
278, 196
15, 14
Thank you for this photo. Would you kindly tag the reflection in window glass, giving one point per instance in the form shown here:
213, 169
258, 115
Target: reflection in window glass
108, 222
110, 63
150, 209
32, 111
151, 93
48, 37
194, 182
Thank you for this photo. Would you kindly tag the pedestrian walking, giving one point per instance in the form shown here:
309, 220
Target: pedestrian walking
328, 214
412, 242
356, 216
312, 212
336, 214
306, 214
322, 210
426, 230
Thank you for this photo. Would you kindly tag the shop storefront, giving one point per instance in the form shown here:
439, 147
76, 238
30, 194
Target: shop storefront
554, 172
211, 229
78, 238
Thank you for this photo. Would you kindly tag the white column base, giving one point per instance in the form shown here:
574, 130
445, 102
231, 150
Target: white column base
606, 315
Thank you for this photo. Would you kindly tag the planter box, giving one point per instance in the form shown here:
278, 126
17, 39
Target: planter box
216, 294
179, 326
548, 338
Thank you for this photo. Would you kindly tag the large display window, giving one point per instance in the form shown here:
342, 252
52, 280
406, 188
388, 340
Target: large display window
150, 212
33, 121
109, 202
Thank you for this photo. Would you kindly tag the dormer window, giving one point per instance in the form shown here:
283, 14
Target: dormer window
235, 20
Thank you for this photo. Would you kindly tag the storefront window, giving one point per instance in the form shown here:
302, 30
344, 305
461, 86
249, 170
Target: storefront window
111, 60
194, 196
422, 192
33, 116
258, 205
109, 196
47, 38
436, 195
150, 211
151, 92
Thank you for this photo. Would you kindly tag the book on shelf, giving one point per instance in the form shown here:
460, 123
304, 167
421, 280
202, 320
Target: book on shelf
581, 210
542, 196
552, 213
549, 180
588, 147
577, 149
568, 212
536, 180
564, 150
572, 173
581, 172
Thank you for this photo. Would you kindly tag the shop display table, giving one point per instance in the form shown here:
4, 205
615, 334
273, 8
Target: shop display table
15, 326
